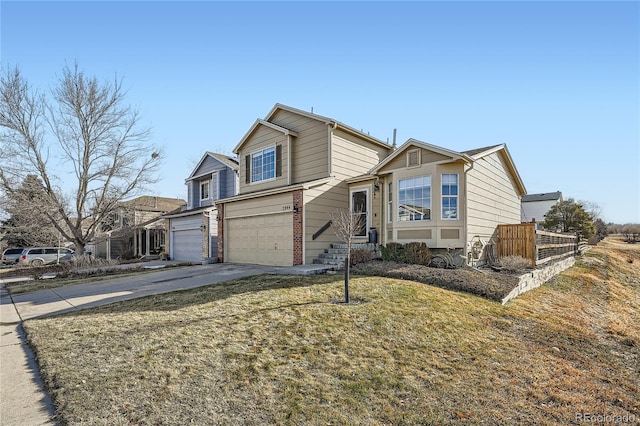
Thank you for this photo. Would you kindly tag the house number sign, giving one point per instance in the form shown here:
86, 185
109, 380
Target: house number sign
287, 207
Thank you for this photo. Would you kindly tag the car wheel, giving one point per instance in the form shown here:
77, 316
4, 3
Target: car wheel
37, 262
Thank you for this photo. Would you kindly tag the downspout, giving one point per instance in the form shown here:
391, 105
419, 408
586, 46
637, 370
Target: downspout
329, 140
466, 209
289, 171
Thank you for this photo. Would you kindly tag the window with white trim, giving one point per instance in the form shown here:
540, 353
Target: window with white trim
414, 199
204, 190
450, 196
390, 211
263, 165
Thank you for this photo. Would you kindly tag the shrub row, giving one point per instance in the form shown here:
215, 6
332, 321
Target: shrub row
413, 253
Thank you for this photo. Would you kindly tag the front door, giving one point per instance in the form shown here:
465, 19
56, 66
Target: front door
359, 203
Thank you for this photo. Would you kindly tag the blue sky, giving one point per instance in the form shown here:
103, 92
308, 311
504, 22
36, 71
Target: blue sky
558, 82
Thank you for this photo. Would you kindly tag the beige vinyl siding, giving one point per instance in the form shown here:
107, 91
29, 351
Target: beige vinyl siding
318, 203
400, 162
259, 206
492, 197
263, 137
310, 150
352, 157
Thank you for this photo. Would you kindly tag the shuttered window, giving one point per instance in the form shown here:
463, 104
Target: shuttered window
263, 165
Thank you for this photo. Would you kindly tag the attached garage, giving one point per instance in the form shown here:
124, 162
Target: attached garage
261, 230
263, 240
186, 238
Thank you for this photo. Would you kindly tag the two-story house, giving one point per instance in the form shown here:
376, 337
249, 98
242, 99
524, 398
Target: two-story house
135, 228
536, 206
293, 171
296, 167
193, 231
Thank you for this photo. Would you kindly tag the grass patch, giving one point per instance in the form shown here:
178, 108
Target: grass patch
278, 350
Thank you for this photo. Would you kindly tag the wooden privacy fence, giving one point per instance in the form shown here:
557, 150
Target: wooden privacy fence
538, 246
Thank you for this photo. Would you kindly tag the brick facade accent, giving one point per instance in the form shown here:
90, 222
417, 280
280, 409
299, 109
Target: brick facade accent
204, 241
298, 229
220, 233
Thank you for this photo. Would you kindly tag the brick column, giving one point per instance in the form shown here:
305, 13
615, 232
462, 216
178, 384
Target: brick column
298, 229
220, 232
204, 241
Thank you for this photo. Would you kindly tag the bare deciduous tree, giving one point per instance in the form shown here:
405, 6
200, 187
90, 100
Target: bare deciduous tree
346, 225
85, 137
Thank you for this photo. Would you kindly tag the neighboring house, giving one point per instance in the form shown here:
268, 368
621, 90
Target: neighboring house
136, 229
536, 206
293, 171
296, 167
193, 231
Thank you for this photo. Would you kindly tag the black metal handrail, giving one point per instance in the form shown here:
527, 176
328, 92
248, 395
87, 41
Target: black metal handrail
321, 230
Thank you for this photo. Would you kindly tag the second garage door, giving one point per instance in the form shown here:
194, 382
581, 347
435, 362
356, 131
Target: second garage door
186, 238
261, 240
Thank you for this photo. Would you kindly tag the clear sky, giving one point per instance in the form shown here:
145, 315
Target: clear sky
558, 82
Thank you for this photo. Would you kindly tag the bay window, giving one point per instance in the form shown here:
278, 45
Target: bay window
414, 199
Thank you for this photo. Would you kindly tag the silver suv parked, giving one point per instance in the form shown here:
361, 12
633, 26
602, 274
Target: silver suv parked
11, 256
38, 256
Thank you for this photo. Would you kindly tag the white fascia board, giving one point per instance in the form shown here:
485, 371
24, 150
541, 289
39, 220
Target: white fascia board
257, 123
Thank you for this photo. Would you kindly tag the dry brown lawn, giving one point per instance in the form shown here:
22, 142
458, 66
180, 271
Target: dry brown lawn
280, 350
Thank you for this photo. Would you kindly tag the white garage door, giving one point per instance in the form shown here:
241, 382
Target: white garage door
261, 240
186, 239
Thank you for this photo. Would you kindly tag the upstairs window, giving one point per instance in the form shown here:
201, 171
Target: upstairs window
450, 196
414, 199
204, 190
263, 165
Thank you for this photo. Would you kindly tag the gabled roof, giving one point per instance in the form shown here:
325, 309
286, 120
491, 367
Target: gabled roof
547, 196
229, 161
259, 123
502, 149
154, 204
326, 120
468, 157
419, 144
224, 159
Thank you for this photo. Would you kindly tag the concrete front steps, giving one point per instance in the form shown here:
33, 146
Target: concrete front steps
335, 256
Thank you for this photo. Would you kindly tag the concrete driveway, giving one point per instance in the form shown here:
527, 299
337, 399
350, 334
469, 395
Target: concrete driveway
48, 302
23, 400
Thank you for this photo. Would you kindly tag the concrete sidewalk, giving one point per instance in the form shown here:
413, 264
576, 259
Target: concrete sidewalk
23, 400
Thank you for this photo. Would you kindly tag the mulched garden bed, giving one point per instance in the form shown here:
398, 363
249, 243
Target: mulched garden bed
489, 284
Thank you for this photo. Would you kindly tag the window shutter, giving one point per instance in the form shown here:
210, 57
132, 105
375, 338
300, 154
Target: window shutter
247, 168
278, 160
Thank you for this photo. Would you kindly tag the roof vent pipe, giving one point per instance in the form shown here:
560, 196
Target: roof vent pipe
394, 138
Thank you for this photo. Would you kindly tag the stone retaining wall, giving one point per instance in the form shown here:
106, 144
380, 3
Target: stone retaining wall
536, 278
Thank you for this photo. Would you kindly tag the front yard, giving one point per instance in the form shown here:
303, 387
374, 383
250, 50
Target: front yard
283, 350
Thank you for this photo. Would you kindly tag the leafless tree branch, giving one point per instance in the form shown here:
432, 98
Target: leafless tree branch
92, 131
